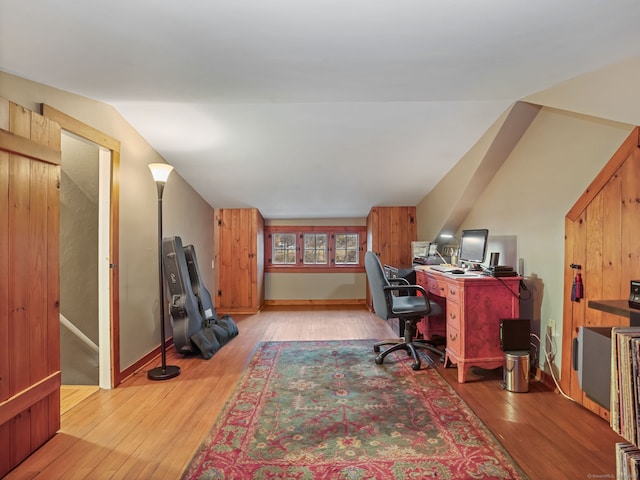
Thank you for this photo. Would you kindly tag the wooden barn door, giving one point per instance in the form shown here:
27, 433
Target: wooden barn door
602, 233
29, 296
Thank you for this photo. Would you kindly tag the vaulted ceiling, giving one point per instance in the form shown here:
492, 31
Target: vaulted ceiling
312, 108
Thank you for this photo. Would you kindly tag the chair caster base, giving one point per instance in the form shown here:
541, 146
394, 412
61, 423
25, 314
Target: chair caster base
415, 365
378, 360
376, 348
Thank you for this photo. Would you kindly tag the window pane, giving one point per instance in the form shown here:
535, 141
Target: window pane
346, 248
315, 248
309, 241
284, 248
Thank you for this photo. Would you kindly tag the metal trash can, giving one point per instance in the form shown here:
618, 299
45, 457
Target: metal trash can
516, 371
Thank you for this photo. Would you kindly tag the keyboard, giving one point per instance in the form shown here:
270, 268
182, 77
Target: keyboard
444, 268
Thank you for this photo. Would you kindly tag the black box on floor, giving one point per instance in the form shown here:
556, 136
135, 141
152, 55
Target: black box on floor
515, 334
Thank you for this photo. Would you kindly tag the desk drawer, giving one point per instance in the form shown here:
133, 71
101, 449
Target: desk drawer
422, 279
453, 292
434, 287
454, 340
453, 315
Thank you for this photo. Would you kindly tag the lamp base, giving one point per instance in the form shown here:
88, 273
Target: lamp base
163, 373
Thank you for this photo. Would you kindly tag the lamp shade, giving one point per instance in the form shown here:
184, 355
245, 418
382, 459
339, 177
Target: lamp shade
160, 171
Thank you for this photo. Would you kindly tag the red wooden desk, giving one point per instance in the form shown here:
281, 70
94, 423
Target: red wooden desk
474, 306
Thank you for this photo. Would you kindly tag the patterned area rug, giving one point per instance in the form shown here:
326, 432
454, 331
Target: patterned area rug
309, 410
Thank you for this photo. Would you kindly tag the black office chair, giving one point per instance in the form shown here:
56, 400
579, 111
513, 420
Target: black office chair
409, 309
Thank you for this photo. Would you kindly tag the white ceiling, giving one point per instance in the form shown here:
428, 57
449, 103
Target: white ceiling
312, 108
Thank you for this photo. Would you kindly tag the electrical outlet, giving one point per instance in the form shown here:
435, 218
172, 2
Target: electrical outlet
551, 325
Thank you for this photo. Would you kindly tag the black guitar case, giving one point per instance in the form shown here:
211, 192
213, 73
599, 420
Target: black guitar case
228, 328
196, 326
183, 305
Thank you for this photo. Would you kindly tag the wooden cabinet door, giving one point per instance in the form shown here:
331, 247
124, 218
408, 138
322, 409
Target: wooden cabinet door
390, 231
29, 288
239, 260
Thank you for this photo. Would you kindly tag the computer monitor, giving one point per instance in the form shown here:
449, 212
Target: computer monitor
473, 246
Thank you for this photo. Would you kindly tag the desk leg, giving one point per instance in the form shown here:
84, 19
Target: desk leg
463, 368
447, 361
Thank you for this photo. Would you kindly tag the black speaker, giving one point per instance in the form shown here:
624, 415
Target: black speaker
515, 334
634, 294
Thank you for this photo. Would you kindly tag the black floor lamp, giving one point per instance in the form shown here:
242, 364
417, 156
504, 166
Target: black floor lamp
160, 172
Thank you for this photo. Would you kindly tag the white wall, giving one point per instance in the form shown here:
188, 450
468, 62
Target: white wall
581, 124
529, 196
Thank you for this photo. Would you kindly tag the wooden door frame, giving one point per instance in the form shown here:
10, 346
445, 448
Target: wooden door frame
87, 132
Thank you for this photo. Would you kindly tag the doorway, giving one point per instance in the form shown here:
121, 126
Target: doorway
89, 235
84, 313
79, 226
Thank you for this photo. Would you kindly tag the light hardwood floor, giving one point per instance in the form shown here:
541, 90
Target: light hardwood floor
150, 429
72, 395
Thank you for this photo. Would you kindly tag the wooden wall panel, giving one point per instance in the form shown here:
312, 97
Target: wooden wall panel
37, 265
5, 444
592, 267
20, 437
19, 241
240, 247
611, 245
577, 246
258, 263
630, 222
29, 292
19, 121
386, 234
601, 235
4, 279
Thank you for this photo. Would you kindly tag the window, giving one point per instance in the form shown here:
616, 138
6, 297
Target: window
314, 249
284, 248
347, 248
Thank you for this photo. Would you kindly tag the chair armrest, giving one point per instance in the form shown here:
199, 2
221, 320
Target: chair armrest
406, 288
398, 280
